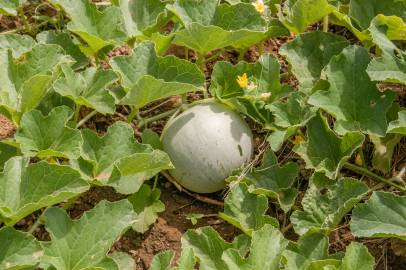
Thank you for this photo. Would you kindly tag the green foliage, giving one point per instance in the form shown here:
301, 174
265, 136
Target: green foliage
383, 215
324, 151
9, 7
18, 44
150, 77
246, 210
26, 188
356, 104
18, 250
326, 202
37, 139
84, 243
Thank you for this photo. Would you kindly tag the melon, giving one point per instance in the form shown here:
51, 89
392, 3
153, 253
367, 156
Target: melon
206, 143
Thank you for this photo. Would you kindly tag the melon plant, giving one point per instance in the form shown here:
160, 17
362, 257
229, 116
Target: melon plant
206, 143
110, 99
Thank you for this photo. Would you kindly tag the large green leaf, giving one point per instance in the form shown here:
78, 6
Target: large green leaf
263, 74
63, 39
25, 80
37, 138
18, 250
363, 11
117, 160
208, 247
6, 152
267, 245
26, 188
383, 215
391, 66
324, 151
246, 210
210, 26
313, 246
98, 29
356, 104
146, 205
84, 243
88, 88
150, 77
398, 126
275, 181
309, 53
326, 202
9, 7
293, 113
358, 257
142, 16
299, 14
162, 261
116, 261
18, 44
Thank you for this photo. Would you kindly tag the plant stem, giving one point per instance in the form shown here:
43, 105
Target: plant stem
325, 23
157, 117
37, 223
77, 114
132, 115
370, 174
24, 19
186, 53
86, 118
242, 54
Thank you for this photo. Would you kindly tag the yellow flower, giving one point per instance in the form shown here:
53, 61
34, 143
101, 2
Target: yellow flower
243, 80
358, 159
259, 6
298, 139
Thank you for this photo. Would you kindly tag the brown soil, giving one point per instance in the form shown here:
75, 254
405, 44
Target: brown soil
7, 128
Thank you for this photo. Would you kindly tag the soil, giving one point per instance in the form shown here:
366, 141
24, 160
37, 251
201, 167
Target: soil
7, 128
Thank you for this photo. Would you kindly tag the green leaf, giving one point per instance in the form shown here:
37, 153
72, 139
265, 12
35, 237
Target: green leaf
357, 104
117, 160
309, 53
64, 40
18, 44
299, 14
88, 88
208, 247
324, 151
37, 138
246, 210
383, 215
9, 7
150, 77
25, 80
293, 113
357, 257
84, 243
326, 203
150, 137
363, 11
123, 261
391, 66
267, 245
26, 188
18, 250
142, 16
313, 246
162, 261
383, 151
275, 181
98, 29
398, 126
209, 26
6, 152
264, 74
147, 205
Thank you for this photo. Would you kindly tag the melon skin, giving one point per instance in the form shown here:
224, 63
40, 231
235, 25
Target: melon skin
206, 143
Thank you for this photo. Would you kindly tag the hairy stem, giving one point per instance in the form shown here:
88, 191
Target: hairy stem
27, 26
132, 115
325, 23
376, 177
77, 114
157, 117
86, 118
